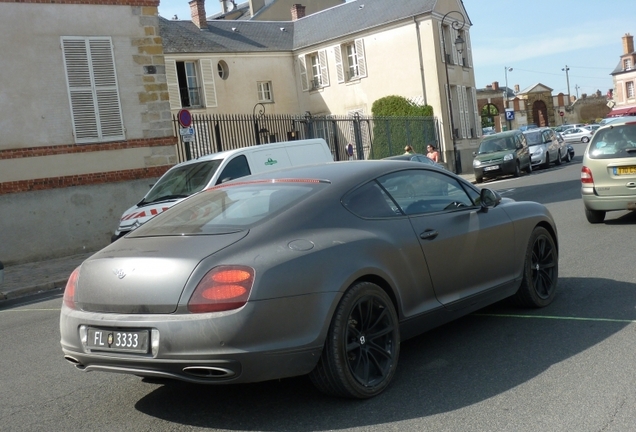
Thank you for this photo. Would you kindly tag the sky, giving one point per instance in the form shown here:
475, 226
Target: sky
536, 38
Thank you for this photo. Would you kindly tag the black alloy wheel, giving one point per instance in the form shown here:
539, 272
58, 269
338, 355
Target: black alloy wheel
541, 271
362, 347
517, 171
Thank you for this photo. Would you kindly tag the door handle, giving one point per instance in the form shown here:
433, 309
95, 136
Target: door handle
429, 234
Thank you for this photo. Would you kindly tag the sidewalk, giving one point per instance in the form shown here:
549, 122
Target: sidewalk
32, 278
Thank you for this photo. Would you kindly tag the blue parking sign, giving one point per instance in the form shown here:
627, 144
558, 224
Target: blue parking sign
510, 115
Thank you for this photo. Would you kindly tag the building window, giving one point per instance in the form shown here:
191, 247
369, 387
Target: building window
350, 61
265, 91
92, 87
223, 70
630, 89
627, 64
189, 88
313, 70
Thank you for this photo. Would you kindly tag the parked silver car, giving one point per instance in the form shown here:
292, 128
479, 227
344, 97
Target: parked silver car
545, 147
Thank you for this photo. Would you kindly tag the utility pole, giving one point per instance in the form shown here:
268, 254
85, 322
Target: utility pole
567, 79
506, 70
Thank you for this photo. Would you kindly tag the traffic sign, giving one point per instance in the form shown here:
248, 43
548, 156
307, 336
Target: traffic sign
510, 114
561, 113
185, 118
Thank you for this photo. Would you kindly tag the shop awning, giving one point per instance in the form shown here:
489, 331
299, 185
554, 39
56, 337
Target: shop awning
617, 112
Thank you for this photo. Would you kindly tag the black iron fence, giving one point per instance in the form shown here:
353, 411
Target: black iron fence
352, 137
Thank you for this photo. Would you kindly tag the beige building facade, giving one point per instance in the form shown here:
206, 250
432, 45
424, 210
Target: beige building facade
623, 100
85, 121
337, 61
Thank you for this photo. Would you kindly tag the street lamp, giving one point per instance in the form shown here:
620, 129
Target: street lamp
459, 46
261, 113
567, 79
506, 70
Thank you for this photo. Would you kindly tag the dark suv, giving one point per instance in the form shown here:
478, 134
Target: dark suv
500, 154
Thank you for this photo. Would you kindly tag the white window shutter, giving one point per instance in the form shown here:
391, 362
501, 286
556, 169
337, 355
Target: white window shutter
303, 73
324, 72
469, 53
337, 51
92, 87
362, 63
209, 89
173, 84
476, 111
453, 34
441, 42
463, 111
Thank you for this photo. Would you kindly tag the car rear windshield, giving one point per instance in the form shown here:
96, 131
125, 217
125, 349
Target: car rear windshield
229, 208
183, 181
534, 138
614, 142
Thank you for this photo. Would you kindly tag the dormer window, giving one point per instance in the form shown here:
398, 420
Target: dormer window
627, 64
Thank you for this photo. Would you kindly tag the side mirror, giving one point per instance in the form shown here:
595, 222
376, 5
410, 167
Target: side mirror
489, 199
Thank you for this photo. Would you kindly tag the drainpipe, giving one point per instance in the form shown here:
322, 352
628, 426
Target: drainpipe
1, 273
419, 50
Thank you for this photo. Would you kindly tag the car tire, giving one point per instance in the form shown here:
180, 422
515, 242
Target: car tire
479, 179
568, 156
595, 216
529, 169
540, 271
546, 164
517, 172
362, 348
558, 159
585, 139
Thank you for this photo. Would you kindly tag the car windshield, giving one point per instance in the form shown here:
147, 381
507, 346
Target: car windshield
614, 142
534, 138
181, 182
496, 144
229, 208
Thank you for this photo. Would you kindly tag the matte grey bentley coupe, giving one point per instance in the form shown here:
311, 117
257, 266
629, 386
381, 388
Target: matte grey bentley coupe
319, 270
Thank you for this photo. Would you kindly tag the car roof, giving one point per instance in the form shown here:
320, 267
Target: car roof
404, 156
535, 130
502, 134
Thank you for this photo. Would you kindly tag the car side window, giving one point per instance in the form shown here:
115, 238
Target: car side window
424, 191
235, 168
370, 201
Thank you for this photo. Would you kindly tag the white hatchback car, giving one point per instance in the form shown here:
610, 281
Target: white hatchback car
608, 175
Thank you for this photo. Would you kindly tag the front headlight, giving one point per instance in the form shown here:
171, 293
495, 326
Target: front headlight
476, 163
508, 157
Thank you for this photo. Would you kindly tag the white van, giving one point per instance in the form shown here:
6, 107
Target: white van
186, 178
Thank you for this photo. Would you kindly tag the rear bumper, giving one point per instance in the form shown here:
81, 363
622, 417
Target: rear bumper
593, 201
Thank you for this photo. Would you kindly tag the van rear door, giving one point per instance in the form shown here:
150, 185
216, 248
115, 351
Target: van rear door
309, 153
268, 159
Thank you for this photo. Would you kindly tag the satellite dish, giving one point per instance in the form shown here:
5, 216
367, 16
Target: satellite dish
229, 5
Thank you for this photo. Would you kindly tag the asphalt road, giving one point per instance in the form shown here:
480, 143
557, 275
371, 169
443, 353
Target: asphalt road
568, 367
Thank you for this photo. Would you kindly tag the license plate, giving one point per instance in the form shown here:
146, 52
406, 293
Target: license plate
625, 170
491, 168
118, 340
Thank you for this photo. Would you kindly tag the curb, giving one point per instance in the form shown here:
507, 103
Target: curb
31, 290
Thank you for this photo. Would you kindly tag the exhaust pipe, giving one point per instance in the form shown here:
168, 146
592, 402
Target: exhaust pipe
75, 362
209, 372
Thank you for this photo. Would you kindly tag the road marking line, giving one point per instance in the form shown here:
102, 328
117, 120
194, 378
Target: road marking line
29, 310
557, 318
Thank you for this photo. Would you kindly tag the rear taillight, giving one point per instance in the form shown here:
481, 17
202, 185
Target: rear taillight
222, 288
69, 291
586, 176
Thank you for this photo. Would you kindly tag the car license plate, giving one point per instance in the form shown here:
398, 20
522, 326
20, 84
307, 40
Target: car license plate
625, 170
491, 168
118, 340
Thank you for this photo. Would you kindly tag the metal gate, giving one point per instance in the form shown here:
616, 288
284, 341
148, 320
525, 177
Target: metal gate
349, 137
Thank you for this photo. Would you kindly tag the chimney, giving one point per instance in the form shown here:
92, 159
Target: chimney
197, 10
495, 85
516, 88
297, 11
628, 44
